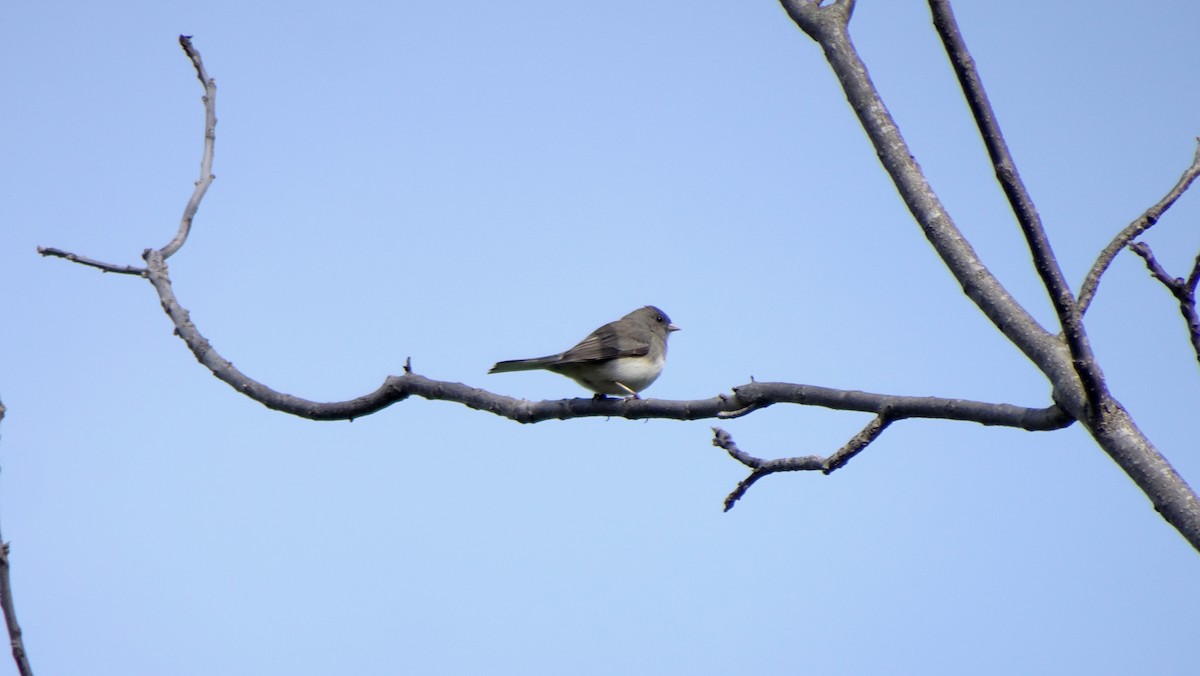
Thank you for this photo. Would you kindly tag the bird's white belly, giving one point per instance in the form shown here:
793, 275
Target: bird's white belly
635, 373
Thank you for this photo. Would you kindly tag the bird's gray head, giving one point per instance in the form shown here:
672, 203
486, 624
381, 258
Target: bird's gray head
653, 318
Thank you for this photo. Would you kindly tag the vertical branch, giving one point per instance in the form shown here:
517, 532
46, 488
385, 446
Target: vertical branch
1069, 316
10, 611
1188, 306
206, 161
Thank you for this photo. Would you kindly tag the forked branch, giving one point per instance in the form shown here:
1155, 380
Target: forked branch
741, 401
202, 183
806, 463
827, 25
1069, 317
1067, 360
1184, 290
1131, 232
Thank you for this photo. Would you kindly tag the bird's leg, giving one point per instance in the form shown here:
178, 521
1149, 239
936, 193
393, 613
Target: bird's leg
623, 387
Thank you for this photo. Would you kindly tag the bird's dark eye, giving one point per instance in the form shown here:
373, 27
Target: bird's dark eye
659, 319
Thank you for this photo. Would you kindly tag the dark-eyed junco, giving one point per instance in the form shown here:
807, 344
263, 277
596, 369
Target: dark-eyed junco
620, 358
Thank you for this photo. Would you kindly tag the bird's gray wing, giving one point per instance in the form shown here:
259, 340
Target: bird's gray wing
605, 343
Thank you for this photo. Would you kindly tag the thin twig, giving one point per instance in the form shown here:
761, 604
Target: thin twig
1184, 290
1189, 309
1194, 277
1156, 269
206, 160
810, 463
202, 184
84, 260
859, 442
1137, 227
1069, 316
6, 602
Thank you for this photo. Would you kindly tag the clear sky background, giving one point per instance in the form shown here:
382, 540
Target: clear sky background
472, 181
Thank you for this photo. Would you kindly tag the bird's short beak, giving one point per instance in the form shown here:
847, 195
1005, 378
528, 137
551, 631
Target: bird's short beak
672, 327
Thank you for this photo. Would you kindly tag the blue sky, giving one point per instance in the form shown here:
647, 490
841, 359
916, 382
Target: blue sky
467, 182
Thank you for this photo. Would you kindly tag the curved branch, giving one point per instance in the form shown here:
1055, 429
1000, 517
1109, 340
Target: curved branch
1138, 226
206, 160
202, 184
812, 463
749, 397
1069, 317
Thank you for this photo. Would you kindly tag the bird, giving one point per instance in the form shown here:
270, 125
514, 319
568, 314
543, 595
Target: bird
621, 358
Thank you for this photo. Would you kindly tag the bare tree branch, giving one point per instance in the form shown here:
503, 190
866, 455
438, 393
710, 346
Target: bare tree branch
828, 26
1176, 285
202, 184
812, 463
743, 400
1107, 421
1194, 275
1137, 227
6, 602
206, 161
1022, 204
1102, 415
753, 396
91, 262
1184, 290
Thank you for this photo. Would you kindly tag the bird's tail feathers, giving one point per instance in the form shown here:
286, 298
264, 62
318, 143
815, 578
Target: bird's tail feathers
524, 364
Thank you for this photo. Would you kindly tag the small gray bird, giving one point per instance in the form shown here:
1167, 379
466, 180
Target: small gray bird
620, 358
